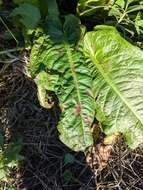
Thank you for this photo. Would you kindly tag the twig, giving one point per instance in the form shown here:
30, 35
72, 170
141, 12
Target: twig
11, 50
5, 25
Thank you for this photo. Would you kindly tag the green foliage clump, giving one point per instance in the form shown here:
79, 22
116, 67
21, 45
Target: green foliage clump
94, 74
97, 75
9, 157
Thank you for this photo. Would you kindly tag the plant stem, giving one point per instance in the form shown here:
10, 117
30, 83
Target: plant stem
122, 17
5, 25
11, 50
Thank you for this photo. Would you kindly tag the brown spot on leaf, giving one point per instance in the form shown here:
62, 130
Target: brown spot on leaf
78, 109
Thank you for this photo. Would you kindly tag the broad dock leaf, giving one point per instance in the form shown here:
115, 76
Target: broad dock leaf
117, 70
60, 54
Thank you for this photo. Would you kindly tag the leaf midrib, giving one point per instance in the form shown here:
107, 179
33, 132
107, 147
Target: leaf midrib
113, 86
71, 62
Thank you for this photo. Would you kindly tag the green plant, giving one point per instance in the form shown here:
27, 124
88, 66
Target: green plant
117, 81
90, 7
27, 14
27, 17
139, 23
94, 72
58, 64
124, 14
32, 2
67, 176
9, 157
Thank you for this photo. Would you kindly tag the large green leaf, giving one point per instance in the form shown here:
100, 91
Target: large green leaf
77, 101
58, 64
117, 69
27, 14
